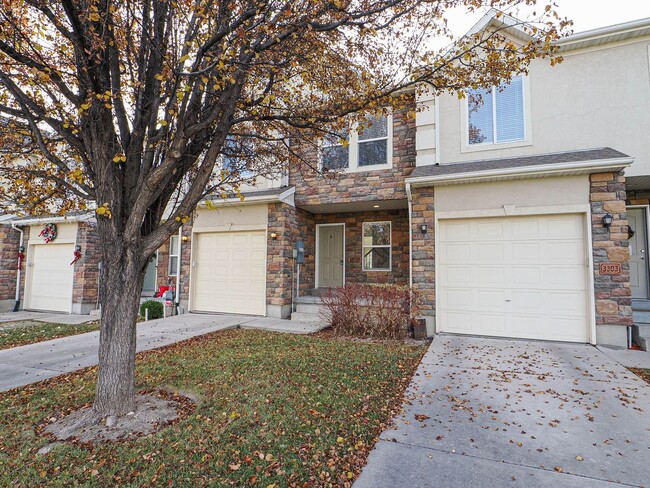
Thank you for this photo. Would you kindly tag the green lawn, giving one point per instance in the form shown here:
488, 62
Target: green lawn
13, 334
274, 410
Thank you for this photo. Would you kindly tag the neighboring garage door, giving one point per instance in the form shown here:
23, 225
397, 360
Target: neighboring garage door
229, 273
514, 277
51, 276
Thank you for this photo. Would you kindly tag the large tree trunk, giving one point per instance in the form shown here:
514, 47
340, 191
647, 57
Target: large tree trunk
121, 284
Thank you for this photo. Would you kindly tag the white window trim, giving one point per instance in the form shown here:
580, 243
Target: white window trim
173, 253
353, 150
389, 246
466, 147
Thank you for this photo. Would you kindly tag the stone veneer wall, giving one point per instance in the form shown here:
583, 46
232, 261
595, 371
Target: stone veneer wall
9, 243
314, 189
613, 293
424, 252
86, 270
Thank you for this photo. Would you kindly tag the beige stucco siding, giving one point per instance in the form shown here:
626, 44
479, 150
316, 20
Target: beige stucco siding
231, 218
541, 192
595, 98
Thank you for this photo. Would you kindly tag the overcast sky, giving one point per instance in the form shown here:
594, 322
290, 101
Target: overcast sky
586, 14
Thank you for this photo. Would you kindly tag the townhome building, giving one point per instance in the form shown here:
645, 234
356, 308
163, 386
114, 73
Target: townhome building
518, 211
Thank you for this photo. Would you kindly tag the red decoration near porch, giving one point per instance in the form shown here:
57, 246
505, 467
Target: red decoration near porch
21, 257
77, 256
48, 233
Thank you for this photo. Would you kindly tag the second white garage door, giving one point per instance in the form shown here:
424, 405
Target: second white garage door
229, 272
514, 277
50, 277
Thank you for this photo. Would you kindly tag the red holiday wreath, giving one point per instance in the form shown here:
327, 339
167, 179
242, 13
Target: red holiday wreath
48, 233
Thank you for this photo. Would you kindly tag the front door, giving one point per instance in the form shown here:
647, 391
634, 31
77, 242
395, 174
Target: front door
636, 219
330, 256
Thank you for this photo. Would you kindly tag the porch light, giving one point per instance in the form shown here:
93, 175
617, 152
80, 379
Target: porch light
274, 236
424, 228
21, 249
185, 238
77, 248
607, 220
375, 206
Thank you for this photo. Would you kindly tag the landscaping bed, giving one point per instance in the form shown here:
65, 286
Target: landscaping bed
271, 410
21, 333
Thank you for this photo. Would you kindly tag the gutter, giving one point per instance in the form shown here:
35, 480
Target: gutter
543, 170
22, 242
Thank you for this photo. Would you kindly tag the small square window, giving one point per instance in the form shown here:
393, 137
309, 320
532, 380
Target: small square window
376, 246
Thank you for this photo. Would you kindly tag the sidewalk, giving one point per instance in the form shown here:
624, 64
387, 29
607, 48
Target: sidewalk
23, 365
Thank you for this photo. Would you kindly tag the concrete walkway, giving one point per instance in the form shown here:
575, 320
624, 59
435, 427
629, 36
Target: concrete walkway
52, 318
492, 413
27, 364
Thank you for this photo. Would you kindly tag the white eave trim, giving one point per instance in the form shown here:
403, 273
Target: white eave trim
522, 172
87, 217
604, 32
284, 197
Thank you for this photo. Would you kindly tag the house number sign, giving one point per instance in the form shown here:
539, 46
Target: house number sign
610, 269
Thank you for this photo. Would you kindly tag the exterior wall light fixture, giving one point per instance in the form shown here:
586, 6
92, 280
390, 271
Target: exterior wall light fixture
607, 220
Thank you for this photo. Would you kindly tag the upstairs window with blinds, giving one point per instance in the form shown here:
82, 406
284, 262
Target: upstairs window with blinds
496, 116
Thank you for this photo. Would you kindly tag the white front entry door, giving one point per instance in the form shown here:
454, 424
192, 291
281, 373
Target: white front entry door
50, 277
330, 256
229, 272
522, 277
636, 219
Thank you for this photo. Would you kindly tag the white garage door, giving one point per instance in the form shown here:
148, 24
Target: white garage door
514, 277
50, 278
229, 273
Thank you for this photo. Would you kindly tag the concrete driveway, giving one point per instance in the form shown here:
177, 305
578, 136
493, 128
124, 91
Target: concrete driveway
494, 413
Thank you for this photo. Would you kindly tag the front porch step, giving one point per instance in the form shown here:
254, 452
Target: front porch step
314, 308
641, 305
306, 317
308, 299
640, 317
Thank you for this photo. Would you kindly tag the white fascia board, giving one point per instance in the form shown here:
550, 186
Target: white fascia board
87, 217
546, 170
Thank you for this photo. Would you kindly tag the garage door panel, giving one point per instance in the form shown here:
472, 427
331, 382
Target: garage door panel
492, 324
229, 273
489, 276
522, 277
492, 252
489, 230
51, 277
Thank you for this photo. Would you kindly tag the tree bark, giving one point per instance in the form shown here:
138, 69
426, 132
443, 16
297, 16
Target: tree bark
122, 278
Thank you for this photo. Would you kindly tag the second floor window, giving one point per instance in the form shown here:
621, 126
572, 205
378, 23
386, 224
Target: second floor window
368, 147
173, 255
496, 116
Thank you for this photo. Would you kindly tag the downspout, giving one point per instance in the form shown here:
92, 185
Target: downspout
22, 241
410, 210
178, 270
437, 127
